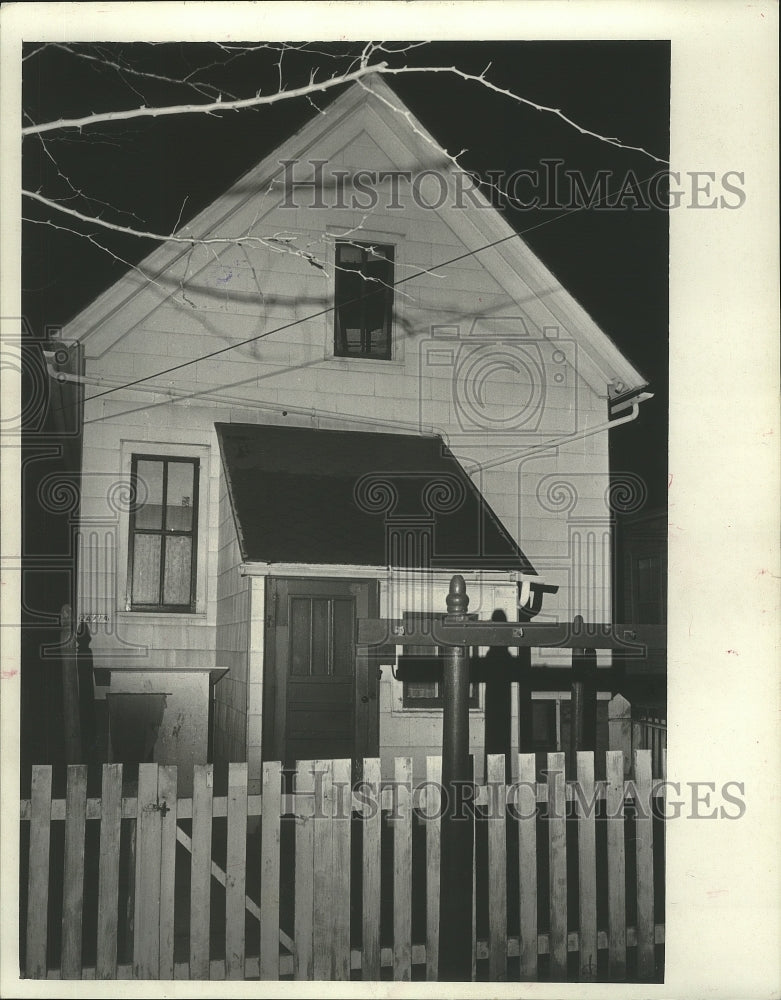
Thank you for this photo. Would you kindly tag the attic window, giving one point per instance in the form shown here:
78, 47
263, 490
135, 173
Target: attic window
363, 300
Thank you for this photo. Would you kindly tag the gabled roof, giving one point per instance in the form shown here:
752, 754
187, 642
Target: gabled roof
301, 495
512, 263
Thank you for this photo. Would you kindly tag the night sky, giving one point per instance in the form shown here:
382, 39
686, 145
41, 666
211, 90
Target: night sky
153, 173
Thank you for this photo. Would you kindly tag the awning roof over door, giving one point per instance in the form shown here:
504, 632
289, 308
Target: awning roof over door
301, 495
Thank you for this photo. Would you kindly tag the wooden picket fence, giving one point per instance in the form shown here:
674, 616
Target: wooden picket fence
347, 910
649, 732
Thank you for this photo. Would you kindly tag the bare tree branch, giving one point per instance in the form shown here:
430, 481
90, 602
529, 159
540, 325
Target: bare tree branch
214, 107
36, 52
278, 243
314, 86
204, 89
143, 233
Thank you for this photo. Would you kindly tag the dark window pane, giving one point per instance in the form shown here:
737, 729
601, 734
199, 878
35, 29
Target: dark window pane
544, 725
363, 300
146, 569
342, 637
346, 253
149, 494
300, 636
321, 646
178, 555
379, 342
179, 496
353, 340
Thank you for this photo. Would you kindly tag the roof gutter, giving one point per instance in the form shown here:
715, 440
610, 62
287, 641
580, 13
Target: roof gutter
261, 569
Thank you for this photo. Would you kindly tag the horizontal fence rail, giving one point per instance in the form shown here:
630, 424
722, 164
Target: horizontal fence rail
321, 877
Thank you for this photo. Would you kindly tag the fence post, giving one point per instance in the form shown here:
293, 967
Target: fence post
457, 833
619, 714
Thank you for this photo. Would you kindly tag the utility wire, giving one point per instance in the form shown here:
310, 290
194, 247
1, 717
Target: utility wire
292, 323
331, 308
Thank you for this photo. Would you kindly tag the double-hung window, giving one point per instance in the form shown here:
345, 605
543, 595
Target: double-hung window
163, 534
363, 300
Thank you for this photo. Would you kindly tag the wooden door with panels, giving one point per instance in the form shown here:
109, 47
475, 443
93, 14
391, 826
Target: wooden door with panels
321, 691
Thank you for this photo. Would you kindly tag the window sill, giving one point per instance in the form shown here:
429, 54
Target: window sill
428, 713
172, 616
336, 362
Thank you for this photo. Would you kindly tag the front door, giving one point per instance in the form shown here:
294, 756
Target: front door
321, 694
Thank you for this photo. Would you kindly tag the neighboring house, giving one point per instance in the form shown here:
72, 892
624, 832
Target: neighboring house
641, 597
340, 424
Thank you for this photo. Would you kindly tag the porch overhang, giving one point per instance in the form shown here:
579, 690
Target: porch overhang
365, 502
350, 571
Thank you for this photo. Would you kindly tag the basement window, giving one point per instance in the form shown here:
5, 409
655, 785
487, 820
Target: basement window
163, 534
426, 692
363, 300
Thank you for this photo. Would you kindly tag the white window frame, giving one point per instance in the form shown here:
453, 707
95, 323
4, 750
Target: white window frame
165, 449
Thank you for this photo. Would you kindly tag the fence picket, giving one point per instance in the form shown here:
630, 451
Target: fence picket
340, 892
146, 919
236, 871
304, 870
433, 807
497, 868
372, 858
402, 871
201, 870
166, 796
557, 865
587, 869
645, 865
616, 864
38, 880
526, 806
269, 870
108, 871
323, 871
322, 936
73, 888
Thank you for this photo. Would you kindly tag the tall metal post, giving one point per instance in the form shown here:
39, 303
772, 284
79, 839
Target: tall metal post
525, 741
70, 687
455, 894
583, 714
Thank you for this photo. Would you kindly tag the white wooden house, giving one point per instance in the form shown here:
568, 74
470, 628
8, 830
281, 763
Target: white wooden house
376, 386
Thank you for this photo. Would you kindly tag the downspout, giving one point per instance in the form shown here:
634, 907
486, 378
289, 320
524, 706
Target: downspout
544, 446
